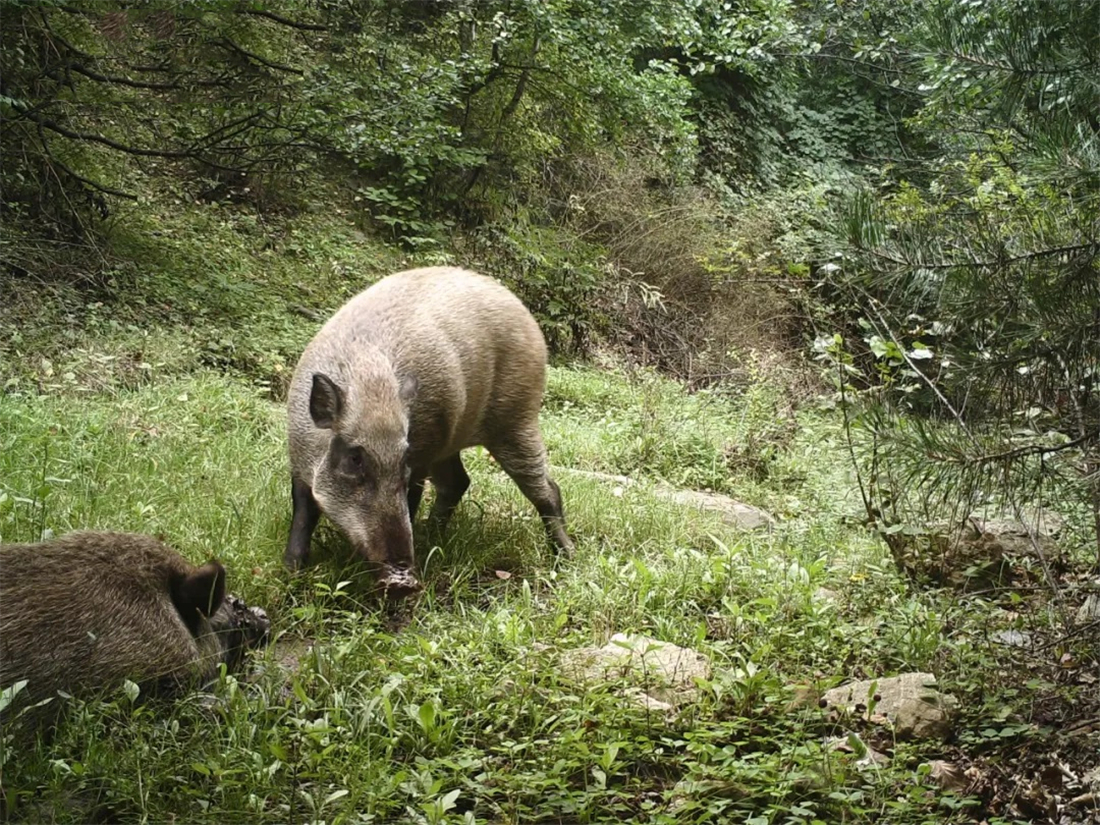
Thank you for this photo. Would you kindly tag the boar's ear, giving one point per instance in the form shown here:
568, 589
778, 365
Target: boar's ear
199, 594
326, 401
409, 385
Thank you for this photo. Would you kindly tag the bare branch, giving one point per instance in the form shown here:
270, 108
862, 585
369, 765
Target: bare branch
139, 84
261, 60
99, 187
283, 21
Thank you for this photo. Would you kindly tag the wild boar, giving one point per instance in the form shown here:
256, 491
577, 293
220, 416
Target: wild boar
404, 376
84, 612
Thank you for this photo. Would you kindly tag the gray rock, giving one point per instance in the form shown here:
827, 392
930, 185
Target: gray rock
926, 717
1044, 522
663, 672
1014, 638
1090, 610
732, 512
909, 700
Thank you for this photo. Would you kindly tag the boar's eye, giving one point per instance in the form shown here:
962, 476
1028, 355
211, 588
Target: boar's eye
354, 462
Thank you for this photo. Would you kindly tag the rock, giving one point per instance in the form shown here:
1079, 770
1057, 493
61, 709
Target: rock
644, 700
926, 717
666, 672
974, 554
1090, 610
1014, 638
826, 596
1044, 522
909, 700
732, 512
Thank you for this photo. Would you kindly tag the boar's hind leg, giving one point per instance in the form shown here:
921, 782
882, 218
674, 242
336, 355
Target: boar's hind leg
451, 482
523, 457
306, 514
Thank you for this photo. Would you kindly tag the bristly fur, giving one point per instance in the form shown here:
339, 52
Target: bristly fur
403, 377
84, 612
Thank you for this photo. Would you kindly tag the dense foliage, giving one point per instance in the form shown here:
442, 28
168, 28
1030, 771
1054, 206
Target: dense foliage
442, 108
910, 191
977, 265
573, 146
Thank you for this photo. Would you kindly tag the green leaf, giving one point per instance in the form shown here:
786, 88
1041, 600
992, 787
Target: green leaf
9, 693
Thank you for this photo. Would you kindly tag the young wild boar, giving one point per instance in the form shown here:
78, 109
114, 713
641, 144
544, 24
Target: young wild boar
86, 611
404, 376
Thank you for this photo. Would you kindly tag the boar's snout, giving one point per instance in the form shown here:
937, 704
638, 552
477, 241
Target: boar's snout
396, 569
240, 628
398, 581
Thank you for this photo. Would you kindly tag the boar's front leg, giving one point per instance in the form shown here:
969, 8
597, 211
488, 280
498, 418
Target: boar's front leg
306, 514
451, 482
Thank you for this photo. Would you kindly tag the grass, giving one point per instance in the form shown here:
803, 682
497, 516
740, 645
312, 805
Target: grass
147, 405
380, 723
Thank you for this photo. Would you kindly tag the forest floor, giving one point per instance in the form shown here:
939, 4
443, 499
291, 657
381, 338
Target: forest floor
148, 400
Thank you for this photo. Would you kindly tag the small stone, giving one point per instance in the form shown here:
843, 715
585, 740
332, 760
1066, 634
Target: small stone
909, 699
667, 671
1014, 638
926, 717
1090, 610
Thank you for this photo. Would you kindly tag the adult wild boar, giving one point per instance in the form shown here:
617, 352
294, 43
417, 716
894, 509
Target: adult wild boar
403, 377
86, 611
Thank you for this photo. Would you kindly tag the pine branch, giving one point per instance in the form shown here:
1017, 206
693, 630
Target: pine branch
1091, 246
1011, 455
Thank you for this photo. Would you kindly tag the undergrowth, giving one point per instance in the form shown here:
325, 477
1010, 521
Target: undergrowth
148, 399
464, 710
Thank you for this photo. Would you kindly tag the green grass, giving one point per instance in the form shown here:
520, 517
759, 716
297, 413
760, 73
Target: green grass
380, 722
144, 402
